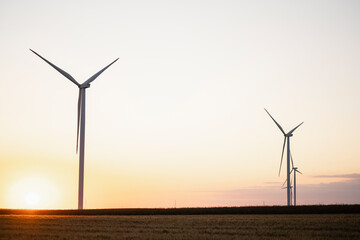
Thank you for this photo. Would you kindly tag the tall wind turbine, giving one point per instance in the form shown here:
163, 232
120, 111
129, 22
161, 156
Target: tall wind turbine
80, 121
294, 169
286, 139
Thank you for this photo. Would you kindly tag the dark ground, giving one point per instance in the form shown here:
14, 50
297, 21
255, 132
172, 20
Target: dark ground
199, 227
306, 209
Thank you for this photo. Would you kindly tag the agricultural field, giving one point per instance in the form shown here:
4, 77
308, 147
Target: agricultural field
236, 226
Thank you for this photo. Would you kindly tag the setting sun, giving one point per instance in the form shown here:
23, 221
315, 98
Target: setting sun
32, 199
32, 193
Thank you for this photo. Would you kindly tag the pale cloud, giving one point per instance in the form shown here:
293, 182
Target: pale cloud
343, 191
272, 183
347, 176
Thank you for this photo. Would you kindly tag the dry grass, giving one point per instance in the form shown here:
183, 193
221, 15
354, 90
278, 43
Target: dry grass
338, 226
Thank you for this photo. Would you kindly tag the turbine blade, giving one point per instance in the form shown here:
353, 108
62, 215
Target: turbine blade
294, 129
65, 74
284, 183
78, 120
282, 130
298, 171
282, 155
292, 162
97, 74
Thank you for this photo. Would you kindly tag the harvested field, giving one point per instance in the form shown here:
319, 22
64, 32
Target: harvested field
284, 226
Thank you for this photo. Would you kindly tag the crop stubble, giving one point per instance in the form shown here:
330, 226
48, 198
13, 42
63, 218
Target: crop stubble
324, 226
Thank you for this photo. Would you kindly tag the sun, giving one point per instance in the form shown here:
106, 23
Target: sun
32, 199
33, 192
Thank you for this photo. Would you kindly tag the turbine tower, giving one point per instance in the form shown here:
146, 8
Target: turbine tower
80, 121
286, 140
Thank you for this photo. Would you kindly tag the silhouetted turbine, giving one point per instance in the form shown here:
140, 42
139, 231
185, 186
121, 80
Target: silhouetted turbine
80, 121
291, 188
286, 139
294, 169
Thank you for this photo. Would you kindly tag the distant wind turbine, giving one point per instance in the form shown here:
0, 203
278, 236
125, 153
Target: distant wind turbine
286, 139
291, 187
80, 121
294, 169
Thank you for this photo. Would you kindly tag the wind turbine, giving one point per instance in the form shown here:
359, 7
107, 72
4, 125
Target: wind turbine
80, 121
286, 139
294, 169
291, 187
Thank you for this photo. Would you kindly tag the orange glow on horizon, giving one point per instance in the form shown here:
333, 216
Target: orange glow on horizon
32, 193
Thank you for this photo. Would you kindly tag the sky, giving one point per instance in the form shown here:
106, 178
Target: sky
179, 119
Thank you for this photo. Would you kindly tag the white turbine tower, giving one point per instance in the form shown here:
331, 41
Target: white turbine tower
286, 139
80, 121
294, 169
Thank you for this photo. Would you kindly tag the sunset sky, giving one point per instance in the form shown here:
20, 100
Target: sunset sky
179, 118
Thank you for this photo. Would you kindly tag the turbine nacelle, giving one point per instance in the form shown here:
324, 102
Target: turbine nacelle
84, 85
295, 169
